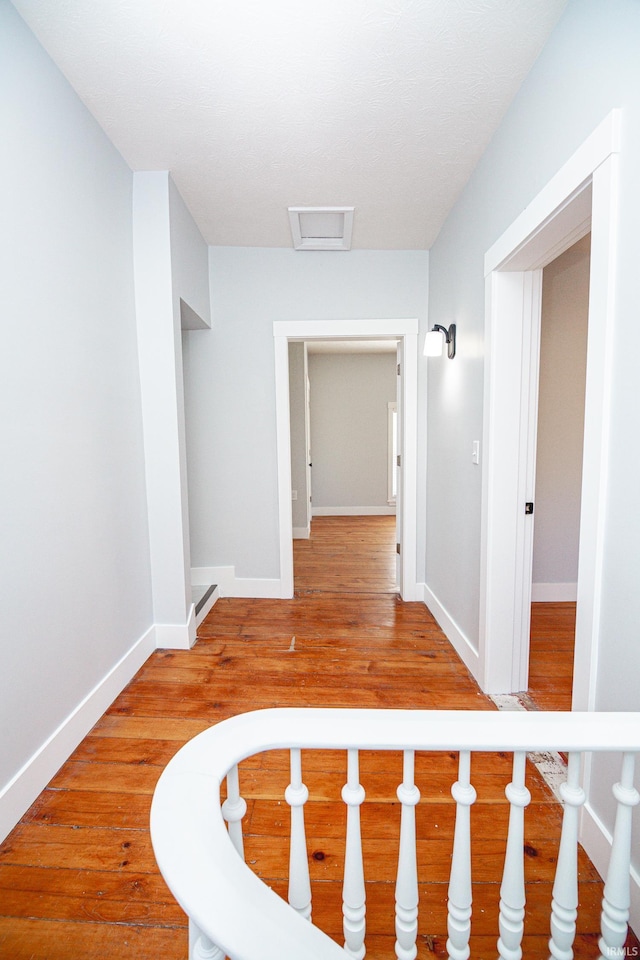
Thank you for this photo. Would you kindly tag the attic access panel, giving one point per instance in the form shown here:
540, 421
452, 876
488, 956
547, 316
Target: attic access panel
321, 228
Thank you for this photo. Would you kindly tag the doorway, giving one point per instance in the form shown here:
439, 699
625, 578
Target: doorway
406, 333
344, 522
581, 196
558, 476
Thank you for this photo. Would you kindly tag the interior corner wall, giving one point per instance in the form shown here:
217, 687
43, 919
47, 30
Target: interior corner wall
588, 67
230, 381
171, 264
75, 549
350, 394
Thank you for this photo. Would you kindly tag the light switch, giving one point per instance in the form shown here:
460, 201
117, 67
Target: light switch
475, 452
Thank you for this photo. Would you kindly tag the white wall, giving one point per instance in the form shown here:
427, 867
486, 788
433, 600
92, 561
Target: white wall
230, 381
74, 562
349, 429
589, 66
563, 357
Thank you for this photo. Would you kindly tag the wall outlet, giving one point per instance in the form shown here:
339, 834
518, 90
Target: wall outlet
294, 494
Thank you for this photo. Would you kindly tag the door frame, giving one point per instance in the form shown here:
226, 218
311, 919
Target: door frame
398, 329
582, 195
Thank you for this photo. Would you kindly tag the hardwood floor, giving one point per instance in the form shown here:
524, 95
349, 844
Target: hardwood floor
551, 655
347, 555
78, 876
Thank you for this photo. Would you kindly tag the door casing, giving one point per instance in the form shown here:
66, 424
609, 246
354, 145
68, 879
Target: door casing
582, 196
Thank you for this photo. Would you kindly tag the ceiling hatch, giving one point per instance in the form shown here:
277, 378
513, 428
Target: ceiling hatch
321, 228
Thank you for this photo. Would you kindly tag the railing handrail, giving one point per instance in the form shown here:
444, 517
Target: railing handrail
192, 845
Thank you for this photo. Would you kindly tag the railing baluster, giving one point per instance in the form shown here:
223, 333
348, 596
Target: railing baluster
617, 898
564, 906
234, 809
200, 947
296, 796
512, 891
407, 878
353, 892
459, 905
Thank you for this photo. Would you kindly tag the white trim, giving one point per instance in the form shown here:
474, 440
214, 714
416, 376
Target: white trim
460, 643
380, 511
597, 840
177, 636
231, 586
554, 592
301, 533
223, 576
405, 329
21, 791
532, 240
597, 419
257, 589
344, 329
554, 198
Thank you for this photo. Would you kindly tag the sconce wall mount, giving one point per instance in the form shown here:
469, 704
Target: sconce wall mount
433, 341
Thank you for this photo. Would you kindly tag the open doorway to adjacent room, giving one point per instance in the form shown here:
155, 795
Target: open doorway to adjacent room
343, 397
402, 335
559, 455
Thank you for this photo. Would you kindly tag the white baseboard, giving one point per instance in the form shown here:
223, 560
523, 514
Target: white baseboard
596, 840
554, 592
177, 636
460, 643
257, 589
18, 795
223, 576
302, 533
231, 586
385, 511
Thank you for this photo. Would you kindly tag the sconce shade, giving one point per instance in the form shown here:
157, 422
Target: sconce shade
433, 343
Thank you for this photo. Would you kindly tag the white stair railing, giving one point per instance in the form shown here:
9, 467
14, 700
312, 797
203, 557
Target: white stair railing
232, 913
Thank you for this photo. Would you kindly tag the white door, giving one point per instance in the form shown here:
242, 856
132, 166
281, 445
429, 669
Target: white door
399, 465
307, 436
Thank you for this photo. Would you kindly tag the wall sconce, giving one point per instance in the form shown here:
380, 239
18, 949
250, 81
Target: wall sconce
433, 341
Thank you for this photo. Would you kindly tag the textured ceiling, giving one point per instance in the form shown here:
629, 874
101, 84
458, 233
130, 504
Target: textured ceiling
255, 106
